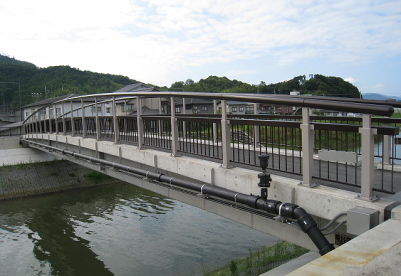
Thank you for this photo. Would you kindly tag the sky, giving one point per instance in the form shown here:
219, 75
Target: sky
164, 41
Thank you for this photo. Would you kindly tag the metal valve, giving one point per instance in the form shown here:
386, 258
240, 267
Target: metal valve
264, 177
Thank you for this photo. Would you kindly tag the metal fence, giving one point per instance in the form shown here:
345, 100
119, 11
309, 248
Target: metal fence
10, 131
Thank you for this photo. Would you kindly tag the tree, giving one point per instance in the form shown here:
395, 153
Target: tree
189, 82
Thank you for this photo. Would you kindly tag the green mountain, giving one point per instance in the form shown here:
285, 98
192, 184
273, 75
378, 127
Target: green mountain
58, 80
317, 85
64, 80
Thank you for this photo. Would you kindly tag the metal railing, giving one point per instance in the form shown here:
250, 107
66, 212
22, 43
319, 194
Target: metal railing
10, 131
296, 144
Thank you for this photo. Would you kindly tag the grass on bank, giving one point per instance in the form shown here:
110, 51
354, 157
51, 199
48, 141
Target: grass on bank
97, 177
260, 260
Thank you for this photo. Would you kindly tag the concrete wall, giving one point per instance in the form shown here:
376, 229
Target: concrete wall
11, 152
32, 179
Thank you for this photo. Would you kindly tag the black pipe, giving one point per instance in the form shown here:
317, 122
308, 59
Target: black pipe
306, 222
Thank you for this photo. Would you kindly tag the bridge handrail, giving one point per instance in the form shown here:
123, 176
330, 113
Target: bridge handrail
306, 122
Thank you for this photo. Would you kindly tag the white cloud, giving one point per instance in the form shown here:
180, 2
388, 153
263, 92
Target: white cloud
151, 40
236, 73
351, 80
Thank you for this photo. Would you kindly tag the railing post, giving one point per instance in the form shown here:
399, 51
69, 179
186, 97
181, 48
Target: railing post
44, 121
307, 147
56, 119
97, 122
125, 119
256, 127
215, 136
184, 125
367, 170
83, 119
139, 122
160, 121
386, 148
115, 121
50, 122
40, 122
72, 120
63, 119
174, 129
225, 136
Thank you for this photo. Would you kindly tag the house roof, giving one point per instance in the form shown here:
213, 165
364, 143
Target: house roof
146, 111
49, 101
135, 88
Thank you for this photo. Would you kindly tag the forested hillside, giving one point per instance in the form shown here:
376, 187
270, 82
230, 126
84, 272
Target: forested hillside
316, 85
64, 80
58, 80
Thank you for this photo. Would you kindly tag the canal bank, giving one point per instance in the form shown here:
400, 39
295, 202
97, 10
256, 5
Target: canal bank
39, 178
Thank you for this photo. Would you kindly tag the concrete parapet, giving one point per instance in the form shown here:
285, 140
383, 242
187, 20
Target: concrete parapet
375, 252
322, 201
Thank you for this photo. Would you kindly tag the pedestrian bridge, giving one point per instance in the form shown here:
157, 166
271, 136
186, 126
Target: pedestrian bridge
326, 165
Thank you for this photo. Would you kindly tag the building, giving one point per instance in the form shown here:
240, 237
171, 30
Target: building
149, 105
237, 108
57, 109
194, 106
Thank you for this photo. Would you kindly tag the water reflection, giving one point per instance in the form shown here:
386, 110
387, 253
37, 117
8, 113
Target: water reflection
114, 230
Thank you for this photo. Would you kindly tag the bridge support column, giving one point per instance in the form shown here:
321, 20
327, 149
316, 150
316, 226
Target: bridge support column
225, 136
367, 170
139, 122
174, 129
307, 148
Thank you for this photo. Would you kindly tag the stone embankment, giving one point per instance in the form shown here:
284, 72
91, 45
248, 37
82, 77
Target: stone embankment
32, 179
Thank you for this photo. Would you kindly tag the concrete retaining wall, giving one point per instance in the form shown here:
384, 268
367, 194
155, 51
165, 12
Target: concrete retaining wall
31, 179
12, 153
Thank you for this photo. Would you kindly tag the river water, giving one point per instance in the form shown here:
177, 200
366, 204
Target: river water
116, 230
